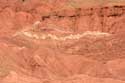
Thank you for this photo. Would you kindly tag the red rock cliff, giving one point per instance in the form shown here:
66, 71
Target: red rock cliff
62, 41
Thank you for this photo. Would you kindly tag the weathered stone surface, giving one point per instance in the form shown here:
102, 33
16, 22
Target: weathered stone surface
62, 41
116, 67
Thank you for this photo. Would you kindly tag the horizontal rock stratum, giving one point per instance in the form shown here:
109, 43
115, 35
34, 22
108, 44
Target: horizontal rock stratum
62, 41
100, 16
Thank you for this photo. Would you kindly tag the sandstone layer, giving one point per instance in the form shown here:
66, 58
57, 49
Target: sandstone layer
62, 41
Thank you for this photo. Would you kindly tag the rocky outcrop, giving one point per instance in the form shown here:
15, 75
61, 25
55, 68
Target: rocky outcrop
61, 41
17, 14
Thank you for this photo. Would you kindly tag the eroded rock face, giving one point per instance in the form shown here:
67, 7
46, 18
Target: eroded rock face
61, 41
116, 68
79, 19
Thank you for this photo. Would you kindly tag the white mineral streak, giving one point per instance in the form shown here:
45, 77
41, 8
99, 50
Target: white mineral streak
28, 34
68, 37
35, 25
